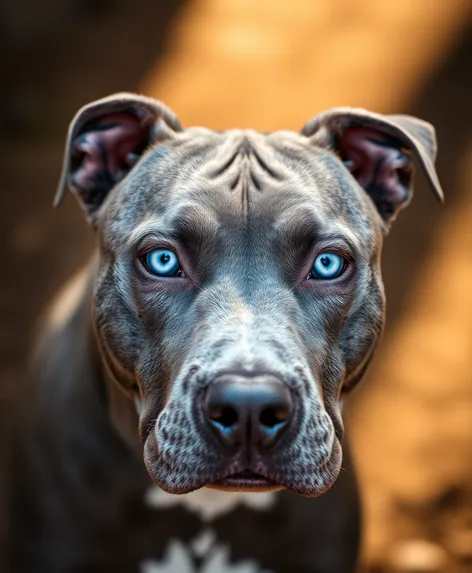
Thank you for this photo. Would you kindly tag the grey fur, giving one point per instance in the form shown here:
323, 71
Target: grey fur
250, 210
124, 359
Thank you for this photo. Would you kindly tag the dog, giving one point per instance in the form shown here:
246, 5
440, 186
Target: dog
185, 410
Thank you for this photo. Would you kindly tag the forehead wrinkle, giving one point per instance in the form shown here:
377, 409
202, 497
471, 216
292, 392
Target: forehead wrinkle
243, 163
224, 153
211, 165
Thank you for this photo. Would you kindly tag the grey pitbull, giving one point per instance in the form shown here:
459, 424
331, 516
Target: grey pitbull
235, 296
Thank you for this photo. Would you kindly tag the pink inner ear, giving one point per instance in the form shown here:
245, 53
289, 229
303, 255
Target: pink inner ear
107, 150
375, 160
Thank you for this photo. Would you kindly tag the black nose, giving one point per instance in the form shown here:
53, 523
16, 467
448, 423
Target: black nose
248, 410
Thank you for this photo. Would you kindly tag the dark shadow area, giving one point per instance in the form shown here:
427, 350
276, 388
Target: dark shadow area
58, 55
445, 102
63, 54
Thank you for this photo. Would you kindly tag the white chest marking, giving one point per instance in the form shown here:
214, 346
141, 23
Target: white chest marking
204, 541
178, 558
209, 503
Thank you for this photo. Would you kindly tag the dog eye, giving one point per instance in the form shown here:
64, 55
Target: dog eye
328, 266
162, 263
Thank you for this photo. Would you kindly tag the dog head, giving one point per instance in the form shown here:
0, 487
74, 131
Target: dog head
239, 290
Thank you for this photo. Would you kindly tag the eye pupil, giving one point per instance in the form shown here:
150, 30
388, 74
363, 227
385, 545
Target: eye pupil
165, 258
325, 261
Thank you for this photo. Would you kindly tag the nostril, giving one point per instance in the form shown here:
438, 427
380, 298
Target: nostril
225, 420
271, 417
225, 416
250, 410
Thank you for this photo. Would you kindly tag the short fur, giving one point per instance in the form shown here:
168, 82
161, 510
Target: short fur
246, 212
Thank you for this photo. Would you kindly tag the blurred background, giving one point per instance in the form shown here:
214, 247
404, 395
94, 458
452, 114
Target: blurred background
270, 65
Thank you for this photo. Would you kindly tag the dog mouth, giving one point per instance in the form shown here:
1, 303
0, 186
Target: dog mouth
245, 481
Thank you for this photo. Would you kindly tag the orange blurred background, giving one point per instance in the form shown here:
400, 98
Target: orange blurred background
273, 65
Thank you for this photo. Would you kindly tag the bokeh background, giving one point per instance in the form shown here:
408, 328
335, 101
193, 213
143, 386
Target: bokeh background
270, 64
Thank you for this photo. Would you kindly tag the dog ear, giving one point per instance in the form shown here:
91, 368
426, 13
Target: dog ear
105, 140
377, 150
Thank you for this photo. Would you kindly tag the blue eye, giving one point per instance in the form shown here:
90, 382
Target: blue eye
162, 263
328, 266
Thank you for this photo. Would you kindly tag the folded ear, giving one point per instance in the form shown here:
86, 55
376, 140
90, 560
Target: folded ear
377, 150
105, 140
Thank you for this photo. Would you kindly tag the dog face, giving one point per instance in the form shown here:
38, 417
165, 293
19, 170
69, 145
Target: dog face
239, 289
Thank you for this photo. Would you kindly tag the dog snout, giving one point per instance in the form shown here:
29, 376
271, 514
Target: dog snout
248, 411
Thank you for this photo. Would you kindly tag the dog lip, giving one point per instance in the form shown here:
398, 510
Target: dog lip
246, 480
